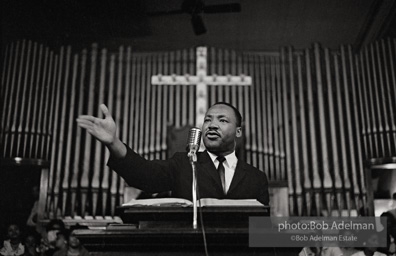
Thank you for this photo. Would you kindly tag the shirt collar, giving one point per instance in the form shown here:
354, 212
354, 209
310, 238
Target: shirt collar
231, 158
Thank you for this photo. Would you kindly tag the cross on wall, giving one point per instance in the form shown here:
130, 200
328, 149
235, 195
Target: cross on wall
202, 81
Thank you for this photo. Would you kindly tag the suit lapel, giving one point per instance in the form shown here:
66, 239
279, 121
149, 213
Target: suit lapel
207, 166
240, 172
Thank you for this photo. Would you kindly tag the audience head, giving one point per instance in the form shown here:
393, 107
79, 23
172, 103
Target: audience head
53, 227
372, 242
74, 242
55, 224
31, 239
62, 238
13, 232
31, 243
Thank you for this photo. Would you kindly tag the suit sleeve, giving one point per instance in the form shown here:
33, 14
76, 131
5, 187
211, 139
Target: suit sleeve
264, 194
150, 176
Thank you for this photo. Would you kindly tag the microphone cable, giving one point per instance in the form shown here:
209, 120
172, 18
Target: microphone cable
201, 219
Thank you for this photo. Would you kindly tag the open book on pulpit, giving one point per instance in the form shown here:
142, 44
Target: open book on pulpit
204, 202
178, 209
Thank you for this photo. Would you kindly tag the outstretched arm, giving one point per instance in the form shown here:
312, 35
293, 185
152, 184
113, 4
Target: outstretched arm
104, 130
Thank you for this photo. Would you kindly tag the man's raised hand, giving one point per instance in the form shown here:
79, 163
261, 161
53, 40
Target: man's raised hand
103, 129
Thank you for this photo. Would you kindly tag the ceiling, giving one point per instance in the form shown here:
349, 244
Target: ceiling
262, 25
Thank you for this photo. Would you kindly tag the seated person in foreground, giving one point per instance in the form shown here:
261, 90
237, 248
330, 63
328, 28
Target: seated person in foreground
69, 245
13, 245
222, 125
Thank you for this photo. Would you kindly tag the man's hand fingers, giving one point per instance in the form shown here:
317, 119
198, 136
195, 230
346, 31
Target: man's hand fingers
86, 117
91, 132
84, 121
85, 125
105, 110
88, 128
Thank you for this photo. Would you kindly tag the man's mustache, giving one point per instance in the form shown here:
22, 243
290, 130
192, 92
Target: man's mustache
211, 131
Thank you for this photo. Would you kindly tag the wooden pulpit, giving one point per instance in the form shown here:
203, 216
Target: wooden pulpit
167, 230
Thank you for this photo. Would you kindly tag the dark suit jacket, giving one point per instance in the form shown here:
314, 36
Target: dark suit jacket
175, 174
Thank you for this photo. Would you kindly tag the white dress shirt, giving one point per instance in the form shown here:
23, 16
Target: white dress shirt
229, 164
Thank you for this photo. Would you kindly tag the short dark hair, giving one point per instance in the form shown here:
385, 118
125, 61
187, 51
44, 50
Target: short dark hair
238, 115
55, 224
65, 233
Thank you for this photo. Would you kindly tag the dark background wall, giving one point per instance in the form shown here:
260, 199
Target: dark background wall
17, 194
259, 26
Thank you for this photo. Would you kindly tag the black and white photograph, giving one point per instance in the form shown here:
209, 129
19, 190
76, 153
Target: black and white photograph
198, 127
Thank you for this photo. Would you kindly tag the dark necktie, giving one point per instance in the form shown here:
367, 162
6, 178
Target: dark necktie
221, 171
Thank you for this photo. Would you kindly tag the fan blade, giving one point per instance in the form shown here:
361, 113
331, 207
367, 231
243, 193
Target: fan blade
163, 13
198, 24
192, 6
222, 8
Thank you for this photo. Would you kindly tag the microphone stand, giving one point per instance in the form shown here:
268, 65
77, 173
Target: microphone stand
193, 159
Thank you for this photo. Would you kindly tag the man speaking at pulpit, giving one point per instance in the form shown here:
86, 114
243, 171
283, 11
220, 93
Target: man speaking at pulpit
219, 173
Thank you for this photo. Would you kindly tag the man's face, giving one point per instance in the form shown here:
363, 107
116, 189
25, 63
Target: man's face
220, 130
51, 236
30, 241
74, 242
13, 232
60, 240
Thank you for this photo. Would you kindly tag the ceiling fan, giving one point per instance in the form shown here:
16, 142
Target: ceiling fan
195, 8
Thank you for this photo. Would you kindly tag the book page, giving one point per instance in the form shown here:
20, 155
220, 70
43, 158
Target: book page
180, 202
159, 202
230, 202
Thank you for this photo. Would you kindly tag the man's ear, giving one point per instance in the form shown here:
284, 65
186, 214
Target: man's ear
239, 132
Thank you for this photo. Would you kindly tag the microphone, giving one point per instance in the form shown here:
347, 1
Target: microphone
194, 140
